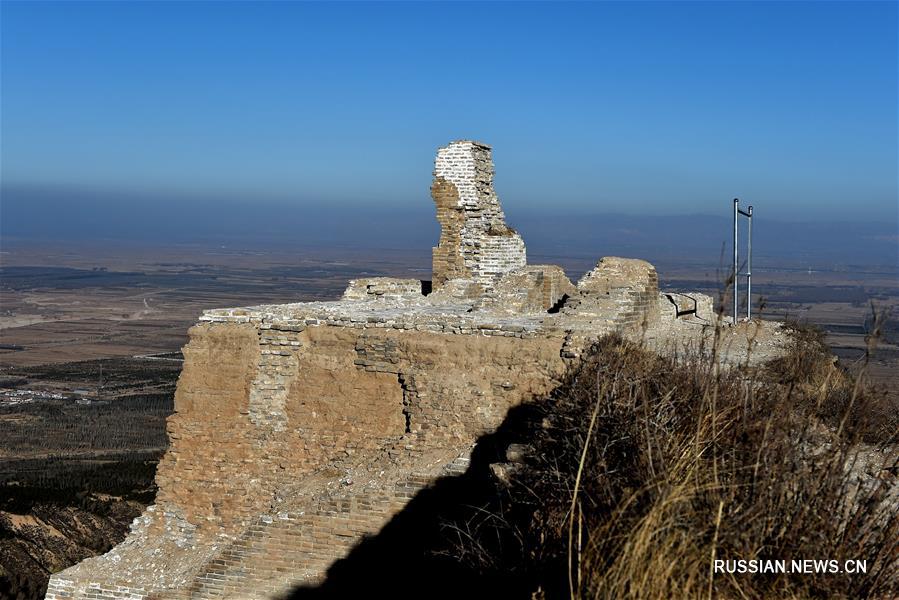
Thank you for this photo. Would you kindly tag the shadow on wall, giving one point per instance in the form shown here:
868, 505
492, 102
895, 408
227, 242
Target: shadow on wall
437, 547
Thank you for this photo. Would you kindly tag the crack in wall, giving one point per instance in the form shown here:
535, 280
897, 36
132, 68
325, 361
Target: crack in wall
408, 395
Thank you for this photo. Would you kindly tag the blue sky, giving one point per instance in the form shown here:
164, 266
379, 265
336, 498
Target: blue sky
632, 108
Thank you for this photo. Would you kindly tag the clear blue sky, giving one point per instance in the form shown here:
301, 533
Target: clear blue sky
590, 107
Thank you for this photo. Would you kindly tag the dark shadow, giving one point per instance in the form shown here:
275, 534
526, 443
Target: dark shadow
426, 287
678, 312
424, 551
558, 305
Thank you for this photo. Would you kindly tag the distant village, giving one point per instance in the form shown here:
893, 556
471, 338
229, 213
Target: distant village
13, 397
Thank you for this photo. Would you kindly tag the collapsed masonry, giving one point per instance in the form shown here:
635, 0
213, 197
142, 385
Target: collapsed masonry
300, 428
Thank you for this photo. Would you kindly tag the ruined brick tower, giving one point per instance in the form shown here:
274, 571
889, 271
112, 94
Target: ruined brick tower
475, 242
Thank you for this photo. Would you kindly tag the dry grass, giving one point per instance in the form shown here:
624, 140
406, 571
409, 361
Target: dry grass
819, 387
644, 470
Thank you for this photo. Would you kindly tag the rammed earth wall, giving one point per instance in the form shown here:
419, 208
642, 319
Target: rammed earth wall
300, 428
266, 417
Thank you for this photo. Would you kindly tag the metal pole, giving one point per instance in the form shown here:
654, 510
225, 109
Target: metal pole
749, 271
736, 256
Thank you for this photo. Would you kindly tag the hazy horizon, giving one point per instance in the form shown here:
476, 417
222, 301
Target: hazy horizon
662, 238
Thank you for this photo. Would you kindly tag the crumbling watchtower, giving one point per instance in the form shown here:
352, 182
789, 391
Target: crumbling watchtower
475, 242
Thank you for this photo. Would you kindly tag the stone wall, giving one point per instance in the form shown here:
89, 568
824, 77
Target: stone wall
692, 306
300, 428
374, 288
534, 288
277, 467
623, 290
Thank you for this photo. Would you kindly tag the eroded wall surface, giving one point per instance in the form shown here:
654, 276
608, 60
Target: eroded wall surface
269, 414
300, 428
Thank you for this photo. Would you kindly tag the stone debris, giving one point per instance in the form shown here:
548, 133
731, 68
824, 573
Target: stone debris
300, 428
375, 288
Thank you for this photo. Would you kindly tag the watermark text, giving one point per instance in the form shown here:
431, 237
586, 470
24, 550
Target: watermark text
794, 566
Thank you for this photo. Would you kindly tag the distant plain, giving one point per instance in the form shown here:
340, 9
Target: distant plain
82, 301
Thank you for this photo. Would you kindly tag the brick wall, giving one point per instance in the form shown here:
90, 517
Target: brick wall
475, 241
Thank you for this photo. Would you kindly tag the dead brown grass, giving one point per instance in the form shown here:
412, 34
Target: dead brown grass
818, 386
645, 470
